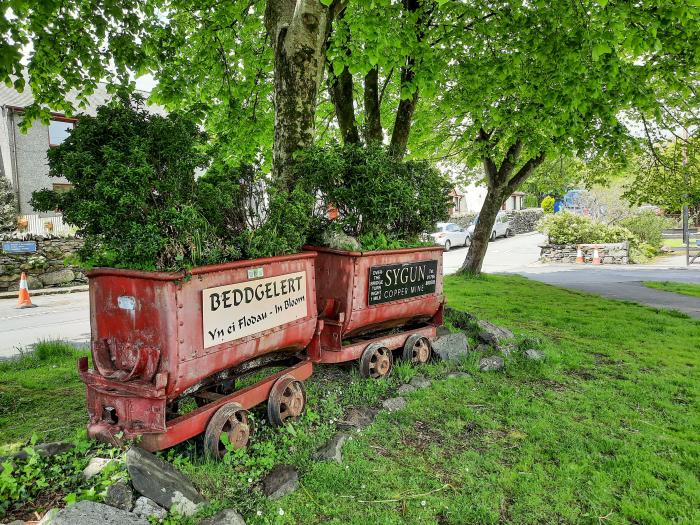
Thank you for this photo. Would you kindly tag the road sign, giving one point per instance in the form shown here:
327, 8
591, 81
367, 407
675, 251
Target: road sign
19, 246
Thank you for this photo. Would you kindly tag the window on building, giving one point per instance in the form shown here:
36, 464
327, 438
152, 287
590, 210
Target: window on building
59, 130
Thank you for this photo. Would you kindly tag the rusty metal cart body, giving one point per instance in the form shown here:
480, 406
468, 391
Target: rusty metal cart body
159, 337
371, 303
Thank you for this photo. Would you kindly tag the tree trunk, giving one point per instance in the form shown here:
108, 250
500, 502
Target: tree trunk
500, 186
404, 116
298, 34
495, 197
373, 117
341, 90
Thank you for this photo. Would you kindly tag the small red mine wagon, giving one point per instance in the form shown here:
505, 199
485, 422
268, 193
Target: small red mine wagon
371, 303
159, 338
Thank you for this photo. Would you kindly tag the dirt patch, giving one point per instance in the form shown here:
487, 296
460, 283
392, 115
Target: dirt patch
581, 373
421, 437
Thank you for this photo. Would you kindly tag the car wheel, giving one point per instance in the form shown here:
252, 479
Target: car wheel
509, 232
493, 236
466, 241
447, 246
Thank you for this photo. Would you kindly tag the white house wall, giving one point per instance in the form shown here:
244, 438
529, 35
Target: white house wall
6, 166
474, 197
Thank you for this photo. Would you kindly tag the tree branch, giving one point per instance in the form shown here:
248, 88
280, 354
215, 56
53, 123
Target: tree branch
524, 172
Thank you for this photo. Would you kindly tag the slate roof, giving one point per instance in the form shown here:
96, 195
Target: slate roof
9, 96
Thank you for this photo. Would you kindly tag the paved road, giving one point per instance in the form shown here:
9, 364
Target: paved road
622, 282
64, 316
67, 316
503, 255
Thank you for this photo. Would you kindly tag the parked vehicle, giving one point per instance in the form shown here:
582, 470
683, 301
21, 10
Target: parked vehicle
449, 234
501, 227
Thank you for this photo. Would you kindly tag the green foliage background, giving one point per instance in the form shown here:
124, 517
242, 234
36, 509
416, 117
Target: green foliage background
382, 201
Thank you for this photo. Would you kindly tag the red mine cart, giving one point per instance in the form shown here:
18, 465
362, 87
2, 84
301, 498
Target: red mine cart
158, 338
372, 303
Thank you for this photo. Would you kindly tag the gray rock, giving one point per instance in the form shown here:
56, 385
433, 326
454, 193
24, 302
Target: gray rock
492, 334
183, 505
535, 355
340, 241
483, 348
145, 508
333, 449
224, 517
33, 283
158, 480
58, 277
46, 450
95, 466
420, 381
456, 375
488, 364
507, 350
393, 404
280, 481
405, 389
120, 495
442, 331
357, 418
451, 347
92, 513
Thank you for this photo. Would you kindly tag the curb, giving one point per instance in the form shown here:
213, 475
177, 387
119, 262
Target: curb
47, 291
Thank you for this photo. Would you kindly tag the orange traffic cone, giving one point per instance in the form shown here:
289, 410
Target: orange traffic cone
24, 300
596, 256
579, 254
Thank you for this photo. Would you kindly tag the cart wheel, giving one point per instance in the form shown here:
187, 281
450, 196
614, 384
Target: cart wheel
376, 361
286, 401
230, 419
417, 349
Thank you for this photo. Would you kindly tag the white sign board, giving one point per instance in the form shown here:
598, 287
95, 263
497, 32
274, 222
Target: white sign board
238, 310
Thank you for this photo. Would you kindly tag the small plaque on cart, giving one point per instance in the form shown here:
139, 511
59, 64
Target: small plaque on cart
238, 310
394, 282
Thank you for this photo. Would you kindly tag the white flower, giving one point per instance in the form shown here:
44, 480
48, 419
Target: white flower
259, 513
423, 503
280, 512
364, 486
250, 480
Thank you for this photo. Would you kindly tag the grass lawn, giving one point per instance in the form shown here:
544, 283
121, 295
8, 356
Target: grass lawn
41, 394
692, 290
606, 430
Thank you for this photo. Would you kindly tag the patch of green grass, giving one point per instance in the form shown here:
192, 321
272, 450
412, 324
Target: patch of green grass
41, 393
690, 289
674, 243
604, 430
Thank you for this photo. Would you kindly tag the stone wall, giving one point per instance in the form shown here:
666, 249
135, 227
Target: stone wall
524, 221
463, 219
46, 268
617, 253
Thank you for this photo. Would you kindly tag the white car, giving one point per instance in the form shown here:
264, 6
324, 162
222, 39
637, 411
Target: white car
449, 234
501, 227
